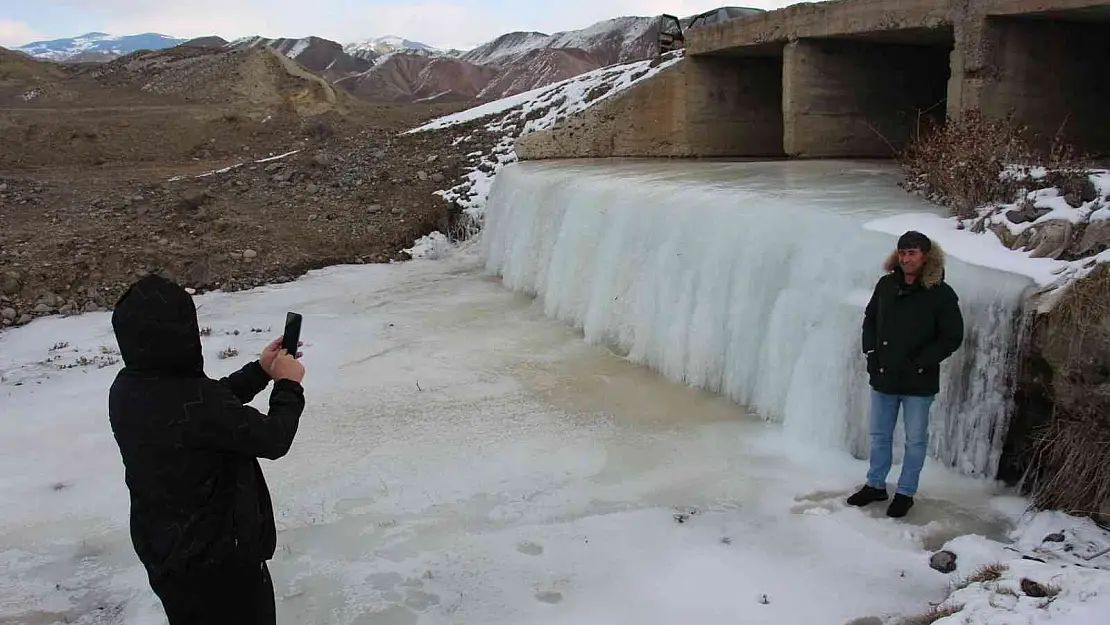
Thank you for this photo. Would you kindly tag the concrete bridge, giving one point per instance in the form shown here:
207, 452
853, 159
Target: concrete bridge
854, 78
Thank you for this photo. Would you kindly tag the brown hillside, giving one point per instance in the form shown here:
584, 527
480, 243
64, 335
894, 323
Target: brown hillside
255, 81
409, 77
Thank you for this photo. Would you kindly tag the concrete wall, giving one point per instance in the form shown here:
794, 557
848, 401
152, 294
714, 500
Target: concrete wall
825, 19
848, 78
646, 120
846, 98
700, 107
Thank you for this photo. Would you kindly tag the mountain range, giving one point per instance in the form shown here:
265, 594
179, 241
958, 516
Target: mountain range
395, 69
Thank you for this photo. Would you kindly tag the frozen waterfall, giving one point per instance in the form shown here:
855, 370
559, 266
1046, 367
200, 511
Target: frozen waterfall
748, 279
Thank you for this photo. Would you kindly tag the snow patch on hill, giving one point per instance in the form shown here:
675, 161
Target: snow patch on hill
532, 111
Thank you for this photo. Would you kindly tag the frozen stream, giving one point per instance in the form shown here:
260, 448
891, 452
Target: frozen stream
466, 459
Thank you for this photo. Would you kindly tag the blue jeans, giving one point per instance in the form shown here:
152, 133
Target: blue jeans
884, 415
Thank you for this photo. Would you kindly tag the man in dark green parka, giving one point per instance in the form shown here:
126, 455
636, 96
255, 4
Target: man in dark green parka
911, 324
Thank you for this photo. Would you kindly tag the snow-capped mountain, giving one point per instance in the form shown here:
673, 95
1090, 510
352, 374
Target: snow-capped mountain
611, 41
97, 46
391, 44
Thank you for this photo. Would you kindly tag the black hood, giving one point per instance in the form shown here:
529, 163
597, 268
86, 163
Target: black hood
156, 327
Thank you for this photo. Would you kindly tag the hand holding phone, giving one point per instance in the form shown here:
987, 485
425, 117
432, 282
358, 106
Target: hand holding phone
291, 338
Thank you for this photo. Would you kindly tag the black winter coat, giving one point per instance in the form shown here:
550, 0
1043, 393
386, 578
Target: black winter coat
189, 443
908, 330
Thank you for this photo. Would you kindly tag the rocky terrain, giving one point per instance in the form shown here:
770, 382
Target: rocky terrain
106, 172
229, 166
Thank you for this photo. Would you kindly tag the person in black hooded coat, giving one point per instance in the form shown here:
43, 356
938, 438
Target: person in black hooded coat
202, 521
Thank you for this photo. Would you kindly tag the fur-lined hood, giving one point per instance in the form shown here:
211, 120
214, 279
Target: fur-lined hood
933, 272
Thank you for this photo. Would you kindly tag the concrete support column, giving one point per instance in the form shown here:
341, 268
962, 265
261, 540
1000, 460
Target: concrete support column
858, 99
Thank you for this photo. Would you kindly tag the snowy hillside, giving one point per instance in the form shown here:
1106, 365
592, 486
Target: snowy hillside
388, 45
97, 46
612, 41
535, 110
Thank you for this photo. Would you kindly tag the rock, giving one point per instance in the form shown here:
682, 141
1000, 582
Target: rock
374, 208
8, 314
91, 307
1088, 192
67, 309
433, 158
51, 300
943, 561
423, 175
1032, 588
1096, 238
43, 309
249, 254
3, 187
312, 188
193, 200
10, 283
1054, 538
379, 154
321, 159
1073, 200
1027, 213
199, 273
23, 320
1050, 239
437, 177
397, 210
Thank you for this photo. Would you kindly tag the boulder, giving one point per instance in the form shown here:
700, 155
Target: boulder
943, 561
1096, 238
1050, 239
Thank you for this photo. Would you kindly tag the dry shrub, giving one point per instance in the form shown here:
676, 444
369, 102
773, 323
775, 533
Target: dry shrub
960, 163
934, 615
1071, 452
986, 573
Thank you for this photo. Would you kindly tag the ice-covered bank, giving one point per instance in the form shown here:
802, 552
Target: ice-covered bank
749, 279
466, 460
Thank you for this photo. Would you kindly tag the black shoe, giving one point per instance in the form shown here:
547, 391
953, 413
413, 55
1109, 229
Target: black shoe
900, 506
867, 495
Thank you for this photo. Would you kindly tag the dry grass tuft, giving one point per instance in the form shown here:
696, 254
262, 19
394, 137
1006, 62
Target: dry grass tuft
934, 614
986, 573
1072, 450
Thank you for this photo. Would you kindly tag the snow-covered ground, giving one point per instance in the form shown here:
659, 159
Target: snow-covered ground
531, 111
987, 249
465, 459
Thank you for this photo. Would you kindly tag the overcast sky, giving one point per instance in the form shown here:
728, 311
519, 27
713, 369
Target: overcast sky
442, 23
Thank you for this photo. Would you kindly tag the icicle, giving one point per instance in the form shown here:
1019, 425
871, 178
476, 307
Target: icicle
750, 281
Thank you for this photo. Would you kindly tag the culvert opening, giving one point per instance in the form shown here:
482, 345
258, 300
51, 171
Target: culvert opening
865, 95
1052, 74
734, 102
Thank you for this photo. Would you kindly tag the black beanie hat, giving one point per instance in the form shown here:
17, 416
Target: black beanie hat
912, 239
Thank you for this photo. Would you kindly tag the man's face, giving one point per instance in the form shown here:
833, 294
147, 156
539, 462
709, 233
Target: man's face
911, 260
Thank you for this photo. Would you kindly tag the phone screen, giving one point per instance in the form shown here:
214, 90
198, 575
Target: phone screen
292, 335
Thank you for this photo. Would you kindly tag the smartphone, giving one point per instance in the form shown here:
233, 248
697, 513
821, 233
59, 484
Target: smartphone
292, 335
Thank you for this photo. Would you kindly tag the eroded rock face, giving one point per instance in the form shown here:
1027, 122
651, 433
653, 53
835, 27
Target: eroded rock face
1064, 380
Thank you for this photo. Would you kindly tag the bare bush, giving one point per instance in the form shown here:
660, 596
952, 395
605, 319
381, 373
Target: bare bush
964, 163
